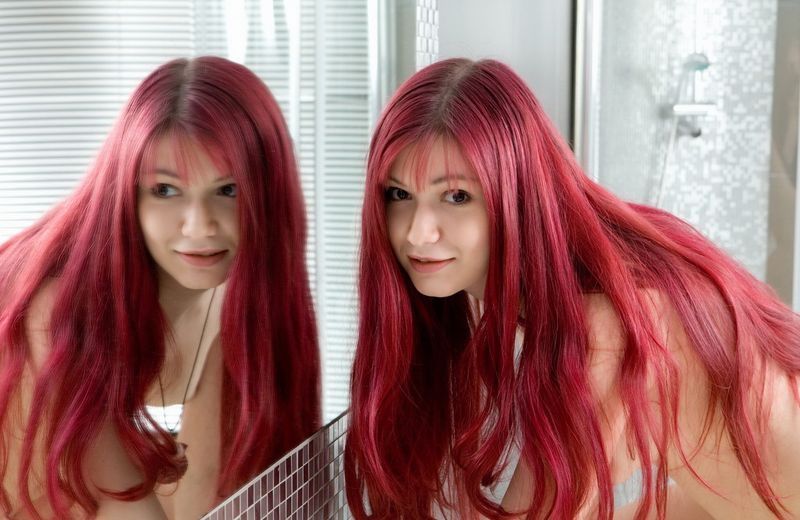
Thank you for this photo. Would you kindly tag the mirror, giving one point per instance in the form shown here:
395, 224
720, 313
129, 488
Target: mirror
67, 70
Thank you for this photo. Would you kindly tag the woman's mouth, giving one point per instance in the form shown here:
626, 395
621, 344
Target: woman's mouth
428, 265
202, 258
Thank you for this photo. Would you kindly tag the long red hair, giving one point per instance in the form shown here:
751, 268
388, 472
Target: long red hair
434, 386
107, 329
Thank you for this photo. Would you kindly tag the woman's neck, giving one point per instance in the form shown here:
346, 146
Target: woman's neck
176, 299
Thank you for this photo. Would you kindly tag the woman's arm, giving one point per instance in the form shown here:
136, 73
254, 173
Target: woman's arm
107, 464
519, 492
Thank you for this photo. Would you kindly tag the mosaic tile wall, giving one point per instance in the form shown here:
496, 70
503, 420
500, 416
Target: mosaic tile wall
719, 181
427, 32
307, 484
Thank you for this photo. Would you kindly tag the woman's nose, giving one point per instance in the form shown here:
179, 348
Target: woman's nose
424, 228
199, 221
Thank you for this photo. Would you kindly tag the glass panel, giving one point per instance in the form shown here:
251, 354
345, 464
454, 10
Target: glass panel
682, 108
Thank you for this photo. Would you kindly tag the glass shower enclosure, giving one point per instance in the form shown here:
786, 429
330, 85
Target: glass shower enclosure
692, 106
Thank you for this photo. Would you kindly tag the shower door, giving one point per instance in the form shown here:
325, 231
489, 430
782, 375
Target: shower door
692, 106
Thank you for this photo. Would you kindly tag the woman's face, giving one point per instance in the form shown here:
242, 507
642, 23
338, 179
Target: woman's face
191, 227
440, 229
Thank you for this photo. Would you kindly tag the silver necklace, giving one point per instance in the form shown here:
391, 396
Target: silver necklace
173, 430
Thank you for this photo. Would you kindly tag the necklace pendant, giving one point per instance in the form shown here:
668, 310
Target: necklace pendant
168, 417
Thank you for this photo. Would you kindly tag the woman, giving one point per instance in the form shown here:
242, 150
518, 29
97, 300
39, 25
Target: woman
510, 304
174, 274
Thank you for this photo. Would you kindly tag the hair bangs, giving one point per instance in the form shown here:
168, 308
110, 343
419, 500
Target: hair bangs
184, 147
415, 156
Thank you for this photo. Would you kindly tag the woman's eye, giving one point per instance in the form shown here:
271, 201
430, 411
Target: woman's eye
164, 191
393, 193
457, 197
229, 190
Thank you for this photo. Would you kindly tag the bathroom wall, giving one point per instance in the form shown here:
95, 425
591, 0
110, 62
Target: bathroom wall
534, 38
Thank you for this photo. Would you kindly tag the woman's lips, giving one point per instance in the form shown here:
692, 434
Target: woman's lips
202, 259
428, 266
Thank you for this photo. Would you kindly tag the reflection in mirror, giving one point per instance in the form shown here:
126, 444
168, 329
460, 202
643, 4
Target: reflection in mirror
149, 285
331, 65
67, 70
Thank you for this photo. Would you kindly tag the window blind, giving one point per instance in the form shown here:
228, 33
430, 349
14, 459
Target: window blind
65, 70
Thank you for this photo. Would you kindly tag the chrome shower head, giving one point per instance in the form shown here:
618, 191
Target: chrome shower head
696, 62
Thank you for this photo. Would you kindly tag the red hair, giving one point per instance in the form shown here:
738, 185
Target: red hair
434, 386
107, 329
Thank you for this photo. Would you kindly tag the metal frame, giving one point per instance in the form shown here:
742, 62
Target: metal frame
588, 38
796, 258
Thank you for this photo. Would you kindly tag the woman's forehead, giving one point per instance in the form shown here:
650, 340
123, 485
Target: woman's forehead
183, 157
431, 162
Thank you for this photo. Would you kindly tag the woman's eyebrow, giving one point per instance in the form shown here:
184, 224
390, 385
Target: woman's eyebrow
459, 177
443, 178
170, 173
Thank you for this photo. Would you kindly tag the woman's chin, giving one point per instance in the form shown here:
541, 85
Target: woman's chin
437, 292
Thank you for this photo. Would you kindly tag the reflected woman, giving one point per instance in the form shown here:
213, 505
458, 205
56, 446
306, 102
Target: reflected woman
174, 275
520, 323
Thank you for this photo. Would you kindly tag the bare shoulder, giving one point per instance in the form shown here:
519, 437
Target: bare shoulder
606, 345
37, 321
603, 323
606, 334
107, 465
37, 331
